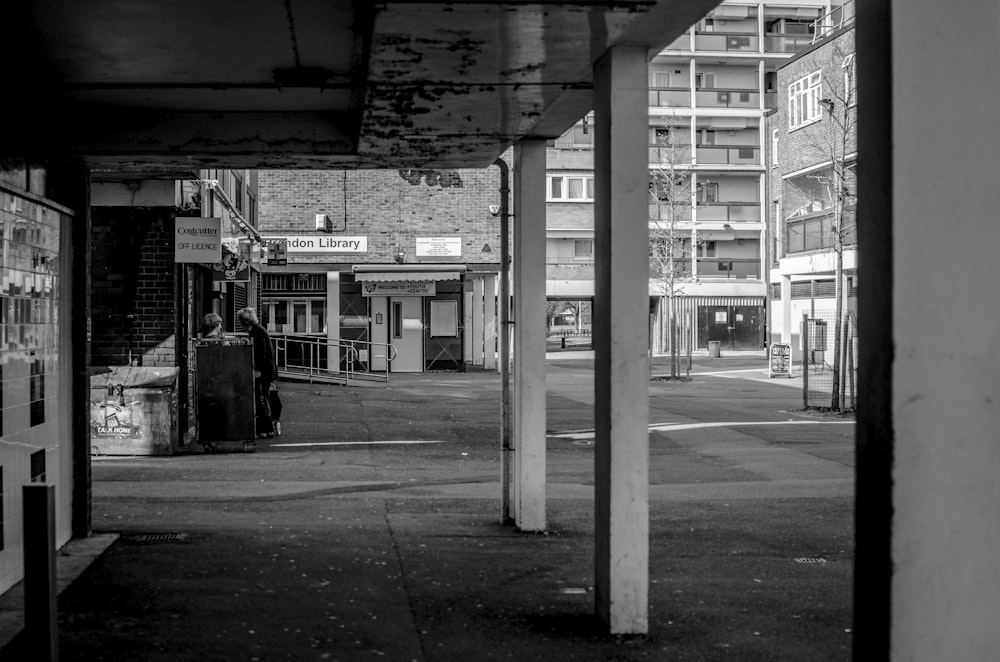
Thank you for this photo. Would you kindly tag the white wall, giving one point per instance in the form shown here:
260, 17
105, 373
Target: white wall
946, 405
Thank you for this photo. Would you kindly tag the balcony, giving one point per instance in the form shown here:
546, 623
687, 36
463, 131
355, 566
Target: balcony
562, 268
729, 212
777, 42
669, 97
682, 43
662, 155
729, 268
727, 98
728, 154
726, 42
815, 232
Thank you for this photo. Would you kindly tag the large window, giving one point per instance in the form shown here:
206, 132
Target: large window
803, 100
298, 316
571, 188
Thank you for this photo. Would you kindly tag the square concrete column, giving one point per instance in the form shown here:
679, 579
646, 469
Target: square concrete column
490, 321
333, 318
621, 307
529, 336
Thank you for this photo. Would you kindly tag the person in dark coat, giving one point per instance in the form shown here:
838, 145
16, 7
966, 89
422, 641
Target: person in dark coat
265, 370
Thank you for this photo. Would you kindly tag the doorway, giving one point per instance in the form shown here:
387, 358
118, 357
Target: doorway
406, 333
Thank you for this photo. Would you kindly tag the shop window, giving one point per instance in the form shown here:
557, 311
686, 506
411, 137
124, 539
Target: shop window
444, 318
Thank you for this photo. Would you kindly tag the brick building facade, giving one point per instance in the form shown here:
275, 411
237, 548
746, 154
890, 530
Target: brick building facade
406, 259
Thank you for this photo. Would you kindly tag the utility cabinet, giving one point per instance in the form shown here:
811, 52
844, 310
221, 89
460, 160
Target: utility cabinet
224, 403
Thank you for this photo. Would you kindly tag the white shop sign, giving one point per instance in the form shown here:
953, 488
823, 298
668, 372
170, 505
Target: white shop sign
197, 240
439, 247
321, 243
400, 288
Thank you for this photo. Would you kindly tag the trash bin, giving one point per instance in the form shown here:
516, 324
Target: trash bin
133, 411
714, 349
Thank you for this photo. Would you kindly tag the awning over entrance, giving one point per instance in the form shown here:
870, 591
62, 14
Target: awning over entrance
394, 273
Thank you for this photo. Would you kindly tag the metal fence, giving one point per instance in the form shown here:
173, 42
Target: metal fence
819, 334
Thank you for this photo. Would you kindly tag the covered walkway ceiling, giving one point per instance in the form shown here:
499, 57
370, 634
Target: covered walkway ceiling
153, 87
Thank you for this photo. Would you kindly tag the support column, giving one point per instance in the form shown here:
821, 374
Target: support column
477, 321
529, 335
490, 321
787, 323
621, 306
333, 316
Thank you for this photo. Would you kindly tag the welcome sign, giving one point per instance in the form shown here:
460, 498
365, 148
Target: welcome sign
322, 244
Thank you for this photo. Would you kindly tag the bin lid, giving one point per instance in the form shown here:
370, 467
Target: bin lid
136, 376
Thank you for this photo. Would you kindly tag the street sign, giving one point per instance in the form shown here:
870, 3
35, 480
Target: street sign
779, 362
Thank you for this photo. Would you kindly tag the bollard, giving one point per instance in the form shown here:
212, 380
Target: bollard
40, 616
564, 342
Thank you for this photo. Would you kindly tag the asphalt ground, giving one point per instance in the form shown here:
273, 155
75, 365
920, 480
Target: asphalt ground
370, 530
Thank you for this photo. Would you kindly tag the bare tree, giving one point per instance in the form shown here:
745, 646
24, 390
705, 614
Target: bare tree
670, 206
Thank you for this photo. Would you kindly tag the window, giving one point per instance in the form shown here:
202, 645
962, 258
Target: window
574, 188
583, 248
36, 464
850, 80
444, 318
774, 148
397, 319
659, 79
803, 100
704, 81
708, 193
238, 192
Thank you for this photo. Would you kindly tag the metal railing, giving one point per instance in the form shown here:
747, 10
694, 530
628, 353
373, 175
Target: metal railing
319, 359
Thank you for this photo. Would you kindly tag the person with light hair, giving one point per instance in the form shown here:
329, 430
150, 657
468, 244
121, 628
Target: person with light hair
265, 369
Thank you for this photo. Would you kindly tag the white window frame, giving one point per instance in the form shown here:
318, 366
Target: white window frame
564, 193
850, 80
803, 100
774, 148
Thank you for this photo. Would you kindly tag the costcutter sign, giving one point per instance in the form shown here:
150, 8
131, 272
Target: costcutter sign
198, 240
322, 244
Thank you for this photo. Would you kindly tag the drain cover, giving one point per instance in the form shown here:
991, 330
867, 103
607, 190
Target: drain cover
155, 537
810, 559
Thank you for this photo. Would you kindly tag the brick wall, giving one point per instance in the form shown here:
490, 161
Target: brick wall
132, 273
391, 208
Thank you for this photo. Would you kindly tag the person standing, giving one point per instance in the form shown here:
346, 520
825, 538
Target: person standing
265, 370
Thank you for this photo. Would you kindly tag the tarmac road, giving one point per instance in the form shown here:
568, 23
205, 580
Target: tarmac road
346, 539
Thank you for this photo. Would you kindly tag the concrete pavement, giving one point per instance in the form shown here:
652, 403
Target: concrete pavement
344, 539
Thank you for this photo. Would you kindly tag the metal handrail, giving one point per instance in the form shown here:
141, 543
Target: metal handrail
311, 356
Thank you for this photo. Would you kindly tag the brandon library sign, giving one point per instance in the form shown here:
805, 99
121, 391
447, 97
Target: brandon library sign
324, 244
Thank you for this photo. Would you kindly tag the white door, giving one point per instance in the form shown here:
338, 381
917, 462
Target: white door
379, 312
406, 333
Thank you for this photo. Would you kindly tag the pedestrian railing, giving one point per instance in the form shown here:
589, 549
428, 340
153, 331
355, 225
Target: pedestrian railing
319, 359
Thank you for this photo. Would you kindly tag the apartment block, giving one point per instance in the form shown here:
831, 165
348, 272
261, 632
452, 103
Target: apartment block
710, 92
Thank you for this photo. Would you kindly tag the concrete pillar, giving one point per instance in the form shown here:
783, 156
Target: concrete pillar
787, 323
529, 335
621, 306
490, 321
467, 341
477, 321
333, 316
944, 411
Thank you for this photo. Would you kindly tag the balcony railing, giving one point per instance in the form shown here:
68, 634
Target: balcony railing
727, 98
679, 155
729, 212
815, 232
776, 42
669, 96
729, 268
727, 42
729, 154
838, 18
